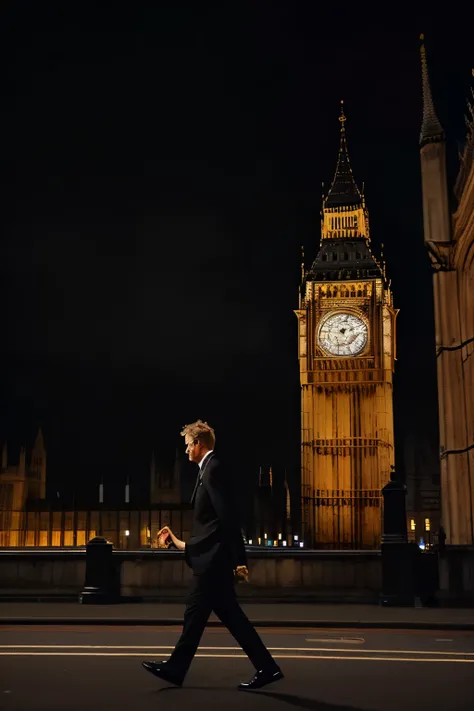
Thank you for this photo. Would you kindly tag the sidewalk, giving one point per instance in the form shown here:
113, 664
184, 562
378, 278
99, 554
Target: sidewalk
261, 614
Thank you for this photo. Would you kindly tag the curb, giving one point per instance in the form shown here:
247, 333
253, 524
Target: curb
169, 622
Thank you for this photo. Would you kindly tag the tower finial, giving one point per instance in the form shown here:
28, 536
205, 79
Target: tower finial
342, 117
343, 190
431, 129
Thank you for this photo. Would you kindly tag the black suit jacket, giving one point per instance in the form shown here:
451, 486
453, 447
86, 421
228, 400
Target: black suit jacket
216, 540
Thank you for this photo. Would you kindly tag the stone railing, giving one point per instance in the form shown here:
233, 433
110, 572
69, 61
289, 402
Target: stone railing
156, 574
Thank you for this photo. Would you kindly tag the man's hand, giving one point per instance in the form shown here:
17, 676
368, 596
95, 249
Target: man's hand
180, 545
241, 574
163, 539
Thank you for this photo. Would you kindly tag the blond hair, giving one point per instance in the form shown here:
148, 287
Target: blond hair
201, 431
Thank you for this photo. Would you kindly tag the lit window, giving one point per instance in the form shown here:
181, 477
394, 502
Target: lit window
412, 524
427, 524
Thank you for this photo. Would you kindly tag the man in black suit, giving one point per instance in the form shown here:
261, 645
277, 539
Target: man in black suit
214, 552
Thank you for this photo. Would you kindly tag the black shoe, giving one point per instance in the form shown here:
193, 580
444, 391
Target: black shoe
262, 678
159, 669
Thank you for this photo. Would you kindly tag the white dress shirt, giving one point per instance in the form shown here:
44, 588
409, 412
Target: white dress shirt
200, 464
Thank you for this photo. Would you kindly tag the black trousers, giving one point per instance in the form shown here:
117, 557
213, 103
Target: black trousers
215, 591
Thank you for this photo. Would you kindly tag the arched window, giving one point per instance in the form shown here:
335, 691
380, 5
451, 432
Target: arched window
345, 256
358, 255
334, 256
324, 258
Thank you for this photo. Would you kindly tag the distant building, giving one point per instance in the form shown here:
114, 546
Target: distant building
272, 519
264, 508
28, 519
20, 483
421, 468
165, 484
25, 480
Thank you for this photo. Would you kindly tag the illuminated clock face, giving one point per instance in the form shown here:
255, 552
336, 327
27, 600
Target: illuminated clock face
343, 334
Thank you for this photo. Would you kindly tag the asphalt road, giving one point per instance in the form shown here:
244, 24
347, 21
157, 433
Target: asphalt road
96, 668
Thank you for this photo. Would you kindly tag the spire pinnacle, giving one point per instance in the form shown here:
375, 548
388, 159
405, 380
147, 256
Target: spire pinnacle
342, 117
431, 129
343, 190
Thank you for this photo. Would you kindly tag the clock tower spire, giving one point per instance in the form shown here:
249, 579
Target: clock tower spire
346, 324
344, 211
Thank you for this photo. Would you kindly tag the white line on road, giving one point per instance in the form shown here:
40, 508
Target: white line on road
240, 656
230, 649
344, 640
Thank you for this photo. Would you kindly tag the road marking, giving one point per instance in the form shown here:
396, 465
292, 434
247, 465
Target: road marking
344, 640
241, 656
227, 648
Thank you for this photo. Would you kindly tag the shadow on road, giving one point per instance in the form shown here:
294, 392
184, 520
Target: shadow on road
292, 699
302, 703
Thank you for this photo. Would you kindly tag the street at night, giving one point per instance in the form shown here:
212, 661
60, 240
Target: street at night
237, 359
67, 668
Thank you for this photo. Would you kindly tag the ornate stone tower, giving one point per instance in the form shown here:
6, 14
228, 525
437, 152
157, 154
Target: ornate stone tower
346, 326
450, 243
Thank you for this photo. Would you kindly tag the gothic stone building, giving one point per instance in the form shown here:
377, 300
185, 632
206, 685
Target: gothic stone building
449, 239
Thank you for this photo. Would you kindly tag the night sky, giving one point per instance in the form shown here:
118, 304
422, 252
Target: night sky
161, 165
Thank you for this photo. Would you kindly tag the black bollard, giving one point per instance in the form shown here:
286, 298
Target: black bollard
397, 563
101, 581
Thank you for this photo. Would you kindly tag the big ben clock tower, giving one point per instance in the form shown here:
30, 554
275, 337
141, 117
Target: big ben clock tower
346, 341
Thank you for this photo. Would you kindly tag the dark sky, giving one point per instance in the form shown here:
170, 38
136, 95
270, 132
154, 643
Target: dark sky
161, 165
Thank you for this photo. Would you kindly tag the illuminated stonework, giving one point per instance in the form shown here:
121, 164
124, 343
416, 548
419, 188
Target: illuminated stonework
346, 342
450, 244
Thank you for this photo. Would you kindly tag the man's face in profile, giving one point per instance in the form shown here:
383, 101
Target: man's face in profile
194, 449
